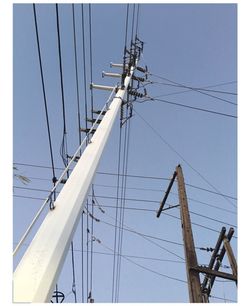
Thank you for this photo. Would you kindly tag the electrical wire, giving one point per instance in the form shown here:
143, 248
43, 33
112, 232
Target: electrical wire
132, 176
133, 208
131, 256
139, 234
220, 298
150, 201
137, 20
92, 117
126, 28
190, 166
153, 201
133, 24
87, 140
73, 272
162, 178
123, 200
116, 215
191, 88
193, 108
76, 77
144, 267
84, 70
161, 190
44, 95
197, 88
63, 149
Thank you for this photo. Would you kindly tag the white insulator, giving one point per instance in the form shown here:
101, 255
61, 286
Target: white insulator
102, 87
110, 74
118, 65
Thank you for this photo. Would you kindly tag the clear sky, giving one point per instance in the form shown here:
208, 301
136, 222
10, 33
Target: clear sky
190, 44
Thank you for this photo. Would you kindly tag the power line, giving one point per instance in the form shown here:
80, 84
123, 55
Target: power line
60, 67
44, 94
176, 152
161, 190
84, 69
151, 201
191, 199
192, 107
139, 234
194, 89
146, 268
116, 212
198, 88
63, 148
92, 117
128, 175
123, 199
134, 200
76, 76
224, 299
86, 126
129, 208
137, 20
73, 272
130, 256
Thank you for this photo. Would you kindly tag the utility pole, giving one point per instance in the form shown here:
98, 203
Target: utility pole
199, 293
194, 286
36, 275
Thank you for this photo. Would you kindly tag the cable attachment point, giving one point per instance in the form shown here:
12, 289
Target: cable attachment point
51, 201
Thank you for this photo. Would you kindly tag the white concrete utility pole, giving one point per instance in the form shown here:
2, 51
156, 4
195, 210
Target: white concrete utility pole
36, 275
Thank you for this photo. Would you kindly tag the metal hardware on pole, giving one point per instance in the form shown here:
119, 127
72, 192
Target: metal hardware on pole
166, 195
219, 259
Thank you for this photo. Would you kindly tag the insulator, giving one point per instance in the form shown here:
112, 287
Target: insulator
136, 94
141, 69
109, 74
122, 112
138, 78
102, 87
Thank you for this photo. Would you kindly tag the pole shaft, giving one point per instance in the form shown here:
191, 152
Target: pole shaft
195, 294
230, 255
36, 275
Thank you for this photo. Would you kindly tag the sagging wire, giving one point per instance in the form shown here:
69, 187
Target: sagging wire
63, 147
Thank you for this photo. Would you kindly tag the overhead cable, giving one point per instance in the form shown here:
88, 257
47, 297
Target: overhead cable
44, 95
194, 89
128, 175
190, 166
193, 107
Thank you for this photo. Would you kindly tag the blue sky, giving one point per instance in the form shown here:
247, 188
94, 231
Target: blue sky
190, 44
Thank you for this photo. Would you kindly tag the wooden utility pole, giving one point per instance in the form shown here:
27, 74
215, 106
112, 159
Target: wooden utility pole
199, 293
194, 286
230, 256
